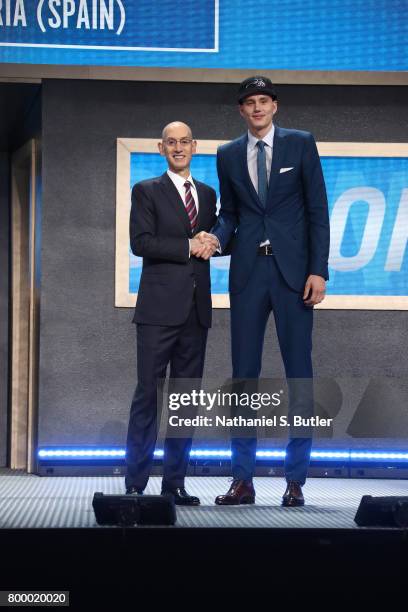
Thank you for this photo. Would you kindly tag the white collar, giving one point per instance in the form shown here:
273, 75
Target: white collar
268, 138
180, 180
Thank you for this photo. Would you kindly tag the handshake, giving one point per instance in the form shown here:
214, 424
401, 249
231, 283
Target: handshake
203, 245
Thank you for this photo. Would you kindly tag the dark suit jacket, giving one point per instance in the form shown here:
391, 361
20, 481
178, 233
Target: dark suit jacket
159, 232
295, 219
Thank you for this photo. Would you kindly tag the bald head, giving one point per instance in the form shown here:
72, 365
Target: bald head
176, 126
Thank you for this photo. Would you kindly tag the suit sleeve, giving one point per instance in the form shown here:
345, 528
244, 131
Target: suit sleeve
213, 200
227, 220
144, 241
316, 209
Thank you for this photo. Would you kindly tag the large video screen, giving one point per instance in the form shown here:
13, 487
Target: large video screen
367, 188
368, 35
368, 204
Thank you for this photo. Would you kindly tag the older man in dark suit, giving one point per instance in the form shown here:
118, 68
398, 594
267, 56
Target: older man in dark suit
173, 310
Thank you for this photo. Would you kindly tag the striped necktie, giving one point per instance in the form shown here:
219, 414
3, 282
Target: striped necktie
191, 207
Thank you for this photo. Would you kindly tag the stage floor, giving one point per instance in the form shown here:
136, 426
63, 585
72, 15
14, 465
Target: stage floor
28, 501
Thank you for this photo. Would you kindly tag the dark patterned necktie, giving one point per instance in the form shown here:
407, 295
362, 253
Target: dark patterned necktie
262, 172
191, 207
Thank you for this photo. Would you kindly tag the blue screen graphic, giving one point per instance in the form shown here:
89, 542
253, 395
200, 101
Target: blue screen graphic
187, 24
242, 34
368, 204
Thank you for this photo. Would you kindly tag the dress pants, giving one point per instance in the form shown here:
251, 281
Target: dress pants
268, 292
182, 346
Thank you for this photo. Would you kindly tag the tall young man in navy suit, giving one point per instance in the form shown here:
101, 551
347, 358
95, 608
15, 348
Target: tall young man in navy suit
274, 206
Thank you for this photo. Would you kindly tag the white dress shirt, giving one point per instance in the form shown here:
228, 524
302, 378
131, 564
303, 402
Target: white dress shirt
252, 157
178, 181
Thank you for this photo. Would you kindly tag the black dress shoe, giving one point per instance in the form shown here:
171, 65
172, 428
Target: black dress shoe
134, 491
181, 497
293, 495
240, 492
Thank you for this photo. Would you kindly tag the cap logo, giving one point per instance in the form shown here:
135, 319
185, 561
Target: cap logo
256, 83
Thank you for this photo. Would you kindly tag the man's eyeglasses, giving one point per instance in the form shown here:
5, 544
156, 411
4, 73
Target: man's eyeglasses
172, 142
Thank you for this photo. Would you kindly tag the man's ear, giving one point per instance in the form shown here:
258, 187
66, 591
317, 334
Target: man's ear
160, 147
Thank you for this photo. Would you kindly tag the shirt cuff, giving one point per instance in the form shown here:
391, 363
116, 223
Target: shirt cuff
218, 249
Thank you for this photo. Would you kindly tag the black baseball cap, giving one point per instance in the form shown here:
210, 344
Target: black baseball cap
256, 85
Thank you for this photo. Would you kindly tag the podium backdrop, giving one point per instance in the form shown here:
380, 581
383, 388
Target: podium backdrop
87, 346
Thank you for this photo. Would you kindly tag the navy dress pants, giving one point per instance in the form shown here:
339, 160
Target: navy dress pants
268, 292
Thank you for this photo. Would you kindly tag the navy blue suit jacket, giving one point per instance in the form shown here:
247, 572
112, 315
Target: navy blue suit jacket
295, 219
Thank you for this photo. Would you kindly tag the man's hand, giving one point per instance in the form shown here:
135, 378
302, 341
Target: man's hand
315, 290
203, 245
208, 238
201, 249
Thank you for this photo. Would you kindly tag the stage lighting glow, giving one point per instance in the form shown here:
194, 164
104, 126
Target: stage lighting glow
210, 453
267, 454
102, 453
80, 454
330, 455
378, 456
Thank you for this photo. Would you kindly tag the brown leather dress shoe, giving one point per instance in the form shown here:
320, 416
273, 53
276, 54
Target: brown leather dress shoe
293, 495
240, 492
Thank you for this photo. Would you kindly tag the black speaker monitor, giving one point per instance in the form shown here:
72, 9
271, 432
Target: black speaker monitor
126, 510
382, 512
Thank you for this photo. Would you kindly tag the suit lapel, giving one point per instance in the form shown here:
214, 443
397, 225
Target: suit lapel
169, 190
277, 156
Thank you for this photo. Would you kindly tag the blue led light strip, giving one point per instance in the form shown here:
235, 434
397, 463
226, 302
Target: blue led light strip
49, 454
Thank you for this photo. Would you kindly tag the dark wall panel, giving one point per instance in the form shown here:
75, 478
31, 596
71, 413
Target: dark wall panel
4, 301
87, 347
20, 120
20, 114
